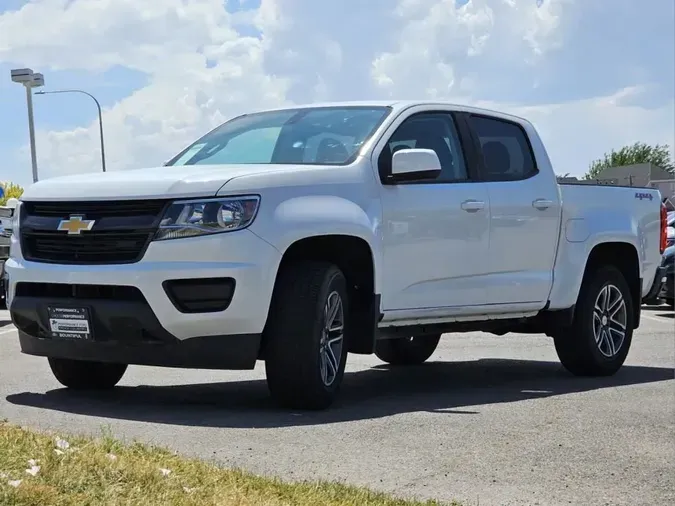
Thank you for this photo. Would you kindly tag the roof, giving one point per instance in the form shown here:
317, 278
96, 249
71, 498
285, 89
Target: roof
400, 105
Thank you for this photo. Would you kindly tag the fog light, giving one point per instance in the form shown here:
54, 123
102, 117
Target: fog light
200, 295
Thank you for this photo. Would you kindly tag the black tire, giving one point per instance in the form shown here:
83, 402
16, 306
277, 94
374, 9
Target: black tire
408, 351
84, 375
576, 345
294, 332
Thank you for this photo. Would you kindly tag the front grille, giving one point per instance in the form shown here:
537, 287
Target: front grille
94, 210
103, 248
121, 232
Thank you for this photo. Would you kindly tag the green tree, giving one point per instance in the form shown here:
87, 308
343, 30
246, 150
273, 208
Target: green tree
639, 152
11, 191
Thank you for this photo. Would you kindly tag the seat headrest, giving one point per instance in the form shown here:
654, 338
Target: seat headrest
331, 151
497, 158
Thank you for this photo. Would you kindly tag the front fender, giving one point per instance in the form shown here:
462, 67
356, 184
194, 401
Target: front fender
287, 221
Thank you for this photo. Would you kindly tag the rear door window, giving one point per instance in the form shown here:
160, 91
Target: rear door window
506, 152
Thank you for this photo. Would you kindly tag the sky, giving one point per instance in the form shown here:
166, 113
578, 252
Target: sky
592, 75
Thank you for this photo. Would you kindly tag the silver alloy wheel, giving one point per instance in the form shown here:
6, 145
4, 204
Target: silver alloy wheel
609, 321
332, 338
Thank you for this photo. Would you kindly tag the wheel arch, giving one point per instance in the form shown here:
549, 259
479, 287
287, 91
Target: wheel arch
623, 256
354, 256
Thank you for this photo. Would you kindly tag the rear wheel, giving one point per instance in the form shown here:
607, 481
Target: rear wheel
84, 375
305, 337
598, 341
407, 351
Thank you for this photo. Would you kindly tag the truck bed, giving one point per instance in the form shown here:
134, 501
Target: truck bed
600, 213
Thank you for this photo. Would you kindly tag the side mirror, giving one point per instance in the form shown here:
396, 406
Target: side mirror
414, 165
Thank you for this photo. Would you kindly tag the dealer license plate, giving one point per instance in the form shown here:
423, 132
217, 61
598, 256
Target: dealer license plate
70, 322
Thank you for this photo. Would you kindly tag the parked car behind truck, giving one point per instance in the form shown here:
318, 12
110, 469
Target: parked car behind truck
667, 290
295, 236
6, 213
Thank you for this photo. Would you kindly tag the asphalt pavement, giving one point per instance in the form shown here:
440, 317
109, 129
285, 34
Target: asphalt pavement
489, 420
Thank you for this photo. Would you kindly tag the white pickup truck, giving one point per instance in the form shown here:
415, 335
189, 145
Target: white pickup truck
295, 236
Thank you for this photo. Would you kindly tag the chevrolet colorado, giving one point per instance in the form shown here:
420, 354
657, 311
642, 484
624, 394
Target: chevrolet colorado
297, 235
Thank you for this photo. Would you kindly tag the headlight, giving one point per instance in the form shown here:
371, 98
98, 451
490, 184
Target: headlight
190, 218
14, 222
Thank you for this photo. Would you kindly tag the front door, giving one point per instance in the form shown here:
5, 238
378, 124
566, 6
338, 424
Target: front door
436, 232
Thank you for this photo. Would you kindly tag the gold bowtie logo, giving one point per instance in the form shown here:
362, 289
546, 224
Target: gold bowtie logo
75, 225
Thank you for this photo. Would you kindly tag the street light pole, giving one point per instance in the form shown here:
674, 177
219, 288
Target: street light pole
31, 132
30, 80
100, 116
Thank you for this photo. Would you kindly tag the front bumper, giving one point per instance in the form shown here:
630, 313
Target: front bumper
241, 255
128, 332
207, 352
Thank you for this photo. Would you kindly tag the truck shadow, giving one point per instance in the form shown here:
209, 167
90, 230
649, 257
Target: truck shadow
443, 387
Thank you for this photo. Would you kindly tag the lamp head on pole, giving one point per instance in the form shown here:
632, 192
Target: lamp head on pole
38, 80
22, 76
28, 78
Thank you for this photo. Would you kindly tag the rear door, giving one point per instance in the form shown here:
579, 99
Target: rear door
435, 232
524, 212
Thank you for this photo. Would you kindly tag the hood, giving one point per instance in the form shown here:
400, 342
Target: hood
157, 182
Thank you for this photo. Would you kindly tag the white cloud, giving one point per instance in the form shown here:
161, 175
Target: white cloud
507, 54
170, 40
95, 35
442, 50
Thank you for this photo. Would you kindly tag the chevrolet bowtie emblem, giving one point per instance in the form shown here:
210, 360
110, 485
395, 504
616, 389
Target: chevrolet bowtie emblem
75, 225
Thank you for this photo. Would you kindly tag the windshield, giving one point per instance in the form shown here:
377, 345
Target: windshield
317, 136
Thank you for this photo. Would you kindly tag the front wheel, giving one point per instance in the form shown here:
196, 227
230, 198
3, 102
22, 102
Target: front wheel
407, 351
305, 336
598, 341
84, 375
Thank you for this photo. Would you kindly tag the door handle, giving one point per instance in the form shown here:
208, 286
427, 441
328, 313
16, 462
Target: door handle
542, 204
471, 206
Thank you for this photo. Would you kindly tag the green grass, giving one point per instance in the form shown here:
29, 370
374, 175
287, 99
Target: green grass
82, 471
